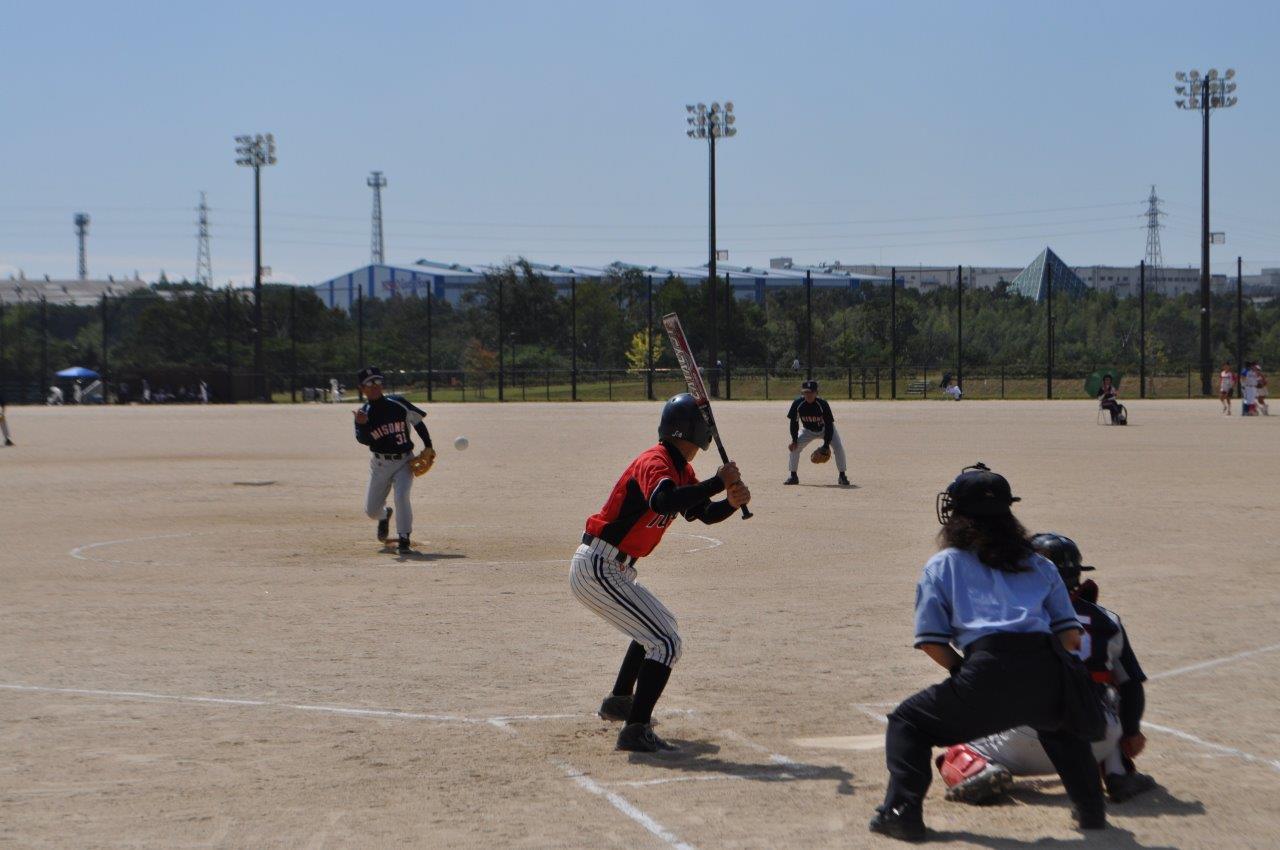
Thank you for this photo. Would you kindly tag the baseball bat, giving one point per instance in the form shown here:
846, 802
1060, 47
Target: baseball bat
693, 380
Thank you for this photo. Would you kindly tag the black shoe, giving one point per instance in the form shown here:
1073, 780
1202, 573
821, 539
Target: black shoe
794, 479
1093, 820
616, 707
384, 525
1122, 786
8, 442
843, 480
639, 738
898, 823
403, 545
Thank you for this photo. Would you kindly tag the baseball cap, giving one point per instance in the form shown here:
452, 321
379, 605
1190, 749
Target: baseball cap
809, 385
369, 375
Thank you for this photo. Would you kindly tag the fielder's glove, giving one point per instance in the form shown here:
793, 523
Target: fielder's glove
822, 454
423, 462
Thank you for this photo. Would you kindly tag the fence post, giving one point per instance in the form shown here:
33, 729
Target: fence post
863, 379
878, 382
850, 368
893, 337
648, 354
293, 344
1142, 329
608, 374
766, 383
429, 363
548, 385
924, 374
573, 310
462, 382
1001, 382
1188, 382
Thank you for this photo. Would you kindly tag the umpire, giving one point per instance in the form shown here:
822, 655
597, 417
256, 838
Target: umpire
988, 594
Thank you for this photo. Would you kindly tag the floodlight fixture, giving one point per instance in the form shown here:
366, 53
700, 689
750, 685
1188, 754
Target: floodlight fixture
1231, 72
1180, 76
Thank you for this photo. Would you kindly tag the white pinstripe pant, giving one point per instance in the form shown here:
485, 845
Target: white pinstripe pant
610, 589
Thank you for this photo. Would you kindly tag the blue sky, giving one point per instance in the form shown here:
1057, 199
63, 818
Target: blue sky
900, 132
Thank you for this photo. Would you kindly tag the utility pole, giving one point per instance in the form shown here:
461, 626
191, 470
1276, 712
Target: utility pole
204, 261
893, 334
81, 220
376, 182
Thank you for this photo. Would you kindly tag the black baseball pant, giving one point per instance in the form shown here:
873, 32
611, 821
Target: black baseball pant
1006, 680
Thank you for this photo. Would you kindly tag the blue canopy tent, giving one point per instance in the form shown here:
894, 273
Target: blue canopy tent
78, 373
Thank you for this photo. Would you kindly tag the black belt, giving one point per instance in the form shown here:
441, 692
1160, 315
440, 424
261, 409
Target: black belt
390, 457
1010, 642
623, 558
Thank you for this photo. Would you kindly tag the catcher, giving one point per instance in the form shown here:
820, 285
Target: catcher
810, 417
382, 424
982, 770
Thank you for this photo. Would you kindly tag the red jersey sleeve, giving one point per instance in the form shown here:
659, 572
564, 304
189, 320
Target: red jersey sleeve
651, 469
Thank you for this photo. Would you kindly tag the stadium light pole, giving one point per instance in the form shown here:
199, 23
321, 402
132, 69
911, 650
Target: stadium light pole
1204, 94
711, 123
255, 152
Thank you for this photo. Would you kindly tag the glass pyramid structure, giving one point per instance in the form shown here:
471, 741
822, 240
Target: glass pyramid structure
1033, 280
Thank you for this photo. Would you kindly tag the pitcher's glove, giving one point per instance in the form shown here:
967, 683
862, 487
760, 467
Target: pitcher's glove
822, 454
423, 462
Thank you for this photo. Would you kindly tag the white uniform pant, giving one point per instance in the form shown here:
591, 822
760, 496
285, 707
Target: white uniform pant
383, 475
610, 589
806, 437
1019, 751
4, 427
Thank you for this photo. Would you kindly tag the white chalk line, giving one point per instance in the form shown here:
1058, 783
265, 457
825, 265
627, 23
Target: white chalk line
80, 552
623, 805
1274, 764
1214, 662
345, 711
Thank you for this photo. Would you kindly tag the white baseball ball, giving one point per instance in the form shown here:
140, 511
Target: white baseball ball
461, 443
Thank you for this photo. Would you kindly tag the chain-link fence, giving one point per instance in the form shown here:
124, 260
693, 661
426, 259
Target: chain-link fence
520, 336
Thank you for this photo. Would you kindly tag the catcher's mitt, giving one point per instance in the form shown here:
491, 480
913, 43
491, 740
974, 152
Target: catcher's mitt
822, 454
423, 462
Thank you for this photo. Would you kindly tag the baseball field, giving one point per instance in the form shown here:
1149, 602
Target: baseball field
202, 644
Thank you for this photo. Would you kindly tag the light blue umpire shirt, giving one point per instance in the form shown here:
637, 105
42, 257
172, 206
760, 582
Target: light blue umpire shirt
959, 599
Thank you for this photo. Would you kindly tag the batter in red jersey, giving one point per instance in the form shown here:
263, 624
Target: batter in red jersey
657, 486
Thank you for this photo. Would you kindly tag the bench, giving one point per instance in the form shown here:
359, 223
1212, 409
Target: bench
916, 388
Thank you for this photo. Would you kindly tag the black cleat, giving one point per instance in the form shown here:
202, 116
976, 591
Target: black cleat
1093, 820
1123, 786
899, 824
384, 525
616, 707
639, 738
402, 546
794, 479
843, 480
8, 442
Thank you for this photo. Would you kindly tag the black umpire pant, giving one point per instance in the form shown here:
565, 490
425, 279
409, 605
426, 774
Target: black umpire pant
1006, 680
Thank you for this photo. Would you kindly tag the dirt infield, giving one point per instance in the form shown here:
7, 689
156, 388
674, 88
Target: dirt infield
202, 645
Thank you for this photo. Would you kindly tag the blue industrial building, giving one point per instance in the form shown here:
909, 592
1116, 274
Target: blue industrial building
449, 281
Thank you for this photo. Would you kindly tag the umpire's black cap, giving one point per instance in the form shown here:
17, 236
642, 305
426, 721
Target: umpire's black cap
809, 385
369, 374
976, 492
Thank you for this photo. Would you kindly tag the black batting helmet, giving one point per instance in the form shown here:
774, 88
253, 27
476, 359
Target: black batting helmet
682, 418
1064, 553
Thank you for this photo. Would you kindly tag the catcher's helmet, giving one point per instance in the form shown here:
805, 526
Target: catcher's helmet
976, 492
1064, 553
682, 418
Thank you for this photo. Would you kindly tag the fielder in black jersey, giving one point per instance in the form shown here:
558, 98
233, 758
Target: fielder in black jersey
810, 418
383, 424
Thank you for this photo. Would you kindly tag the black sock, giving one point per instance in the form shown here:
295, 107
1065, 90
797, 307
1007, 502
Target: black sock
630, 668
653, 678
